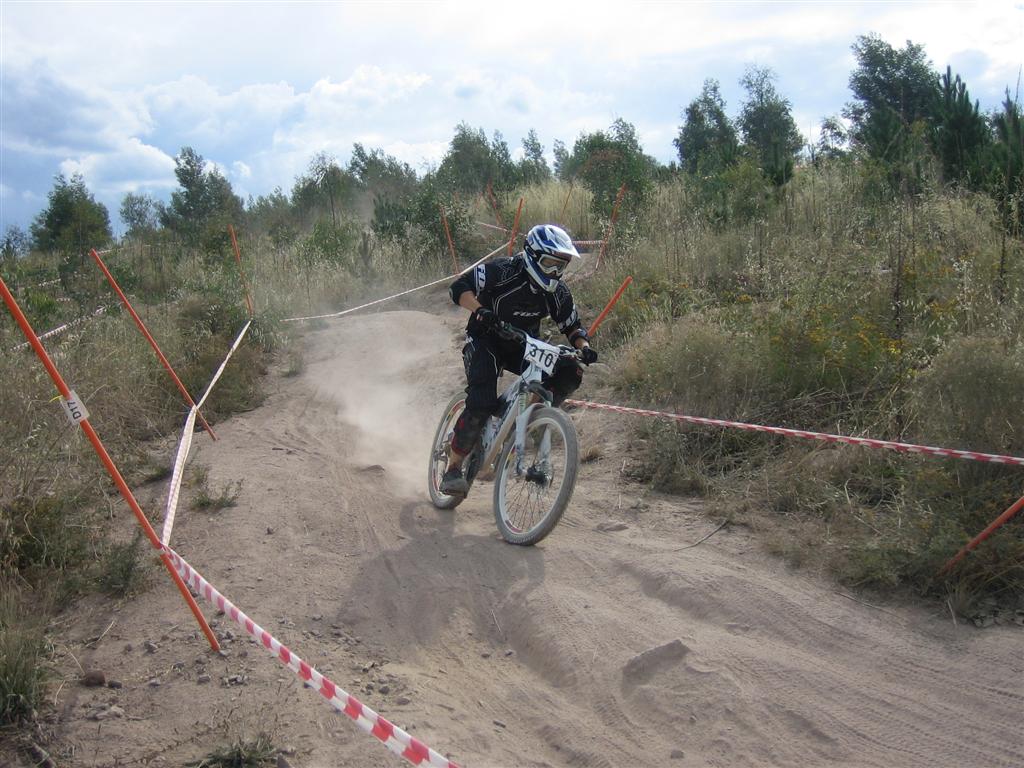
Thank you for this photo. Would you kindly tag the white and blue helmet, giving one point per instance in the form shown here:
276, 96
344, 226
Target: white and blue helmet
547, 253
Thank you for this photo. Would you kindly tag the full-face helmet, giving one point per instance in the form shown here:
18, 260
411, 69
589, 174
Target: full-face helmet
547, 252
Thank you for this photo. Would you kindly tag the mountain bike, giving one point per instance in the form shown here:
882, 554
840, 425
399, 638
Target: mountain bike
529, 448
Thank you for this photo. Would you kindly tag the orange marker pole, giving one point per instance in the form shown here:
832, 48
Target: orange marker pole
152, 342
608, 308
115, 475
238, 258
448, 234
494, 205
1013, 510
515, 228
611, 224
566, 203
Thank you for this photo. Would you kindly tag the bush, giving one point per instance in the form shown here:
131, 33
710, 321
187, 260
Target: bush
972, 396
35, 536
241, 753
123, 568
695, 367
22, 653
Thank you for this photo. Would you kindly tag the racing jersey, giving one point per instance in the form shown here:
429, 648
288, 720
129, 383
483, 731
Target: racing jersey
505, 288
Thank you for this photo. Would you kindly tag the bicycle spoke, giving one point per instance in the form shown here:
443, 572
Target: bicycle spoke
527, 502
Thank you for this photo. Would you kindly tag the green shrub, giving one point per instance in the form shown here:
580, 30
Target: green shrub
123, 569
698, 368
23, 651
972, 396
241, 753
36, 535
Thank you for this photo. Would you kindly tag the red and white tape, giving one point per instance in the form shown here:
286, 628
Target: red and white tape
174, 490
389, 734
61, 328
864, 441
397, 295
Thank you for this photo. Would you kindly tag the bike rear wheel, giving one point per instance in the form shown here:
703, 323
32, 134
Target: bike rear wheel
439, 453
528, 506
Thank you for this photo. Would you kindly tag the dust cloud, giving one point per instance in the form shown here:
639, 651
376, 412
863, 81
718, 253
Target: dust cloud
394, 402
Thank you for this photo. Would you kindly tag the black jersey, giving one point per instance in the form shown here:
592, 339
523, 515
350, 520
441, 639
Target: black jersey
505, 288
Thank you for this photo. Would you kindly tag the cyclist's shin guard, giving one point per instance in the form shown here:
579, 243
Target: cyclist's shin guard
467, 431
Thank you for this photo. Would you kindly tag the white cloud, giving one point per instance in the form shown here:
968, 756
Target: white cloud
369, 86
131, 167
115, 90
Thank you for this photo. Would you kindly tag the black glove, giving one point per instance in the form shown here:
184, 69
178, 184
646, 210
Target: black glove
588, 355
486, 317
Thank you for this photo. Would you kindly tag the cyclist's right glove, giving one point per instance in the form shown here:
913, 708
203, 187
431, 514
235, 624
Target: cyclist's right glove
486, 317
588, 355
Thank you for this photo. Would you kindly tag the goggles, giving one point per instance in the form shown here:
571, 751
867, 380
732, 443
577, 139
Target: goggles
552, 265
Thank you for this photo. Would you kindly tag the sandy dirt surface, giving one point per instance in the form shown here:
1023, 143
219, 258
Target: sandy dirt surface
612, 643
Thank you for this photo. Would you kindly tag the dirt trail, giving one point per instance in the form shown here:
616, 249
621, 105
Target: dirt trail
607, 645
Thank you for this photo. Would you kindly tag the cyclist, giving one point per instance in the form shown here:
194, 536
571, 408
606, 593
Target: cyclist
519, 290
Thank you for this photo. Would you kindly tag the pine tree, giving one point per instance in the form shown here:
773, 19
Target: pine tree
707, 138
769, 131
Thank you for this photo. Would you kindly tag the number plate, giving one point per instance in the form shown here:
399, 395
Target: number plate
544, 356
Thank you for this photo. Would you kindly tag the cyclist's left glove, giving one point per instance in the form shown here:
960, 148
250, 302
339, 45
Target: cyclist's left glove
588, 355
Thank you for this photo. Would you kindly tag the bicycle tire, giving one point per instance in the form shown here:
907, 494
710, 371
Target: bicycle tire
439, 454
510, 528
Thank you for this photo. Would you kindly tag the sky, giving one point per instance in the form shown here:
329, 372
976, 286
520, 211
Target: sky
114, 90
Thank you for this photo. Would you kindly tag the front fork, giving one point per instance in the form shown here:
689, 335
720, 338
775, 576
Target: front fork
528, 402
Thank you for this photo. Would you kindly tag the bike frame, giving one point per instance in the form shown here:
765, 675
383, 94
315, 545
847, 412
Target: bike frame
518, 412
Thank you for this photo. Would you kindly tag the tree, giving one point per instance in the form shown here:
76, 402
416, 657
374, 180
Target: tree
604, 160
138, 213
561, 159
707, 138
325, 186
390, 185
15, 243
273, 214
766, 122
381, 174
833, 140
471, 162
1007, 181
204, 204
72, 222
533, 168
961, 134
892, 90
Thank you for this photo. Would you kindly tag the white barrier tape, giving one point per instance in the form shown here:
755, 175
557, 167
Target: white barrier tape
174, 489
397, 295
868, 442
179, 465
492, 226
393, 737
521, 234
209, 388
44, 284
61, 328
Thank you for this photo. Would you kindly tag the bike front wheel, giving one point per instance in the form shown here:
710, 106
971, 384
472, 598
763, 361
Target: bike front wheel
530, 496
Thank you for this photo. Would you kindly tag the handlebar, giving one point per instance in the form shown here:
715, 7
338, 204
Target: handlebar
511, 333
